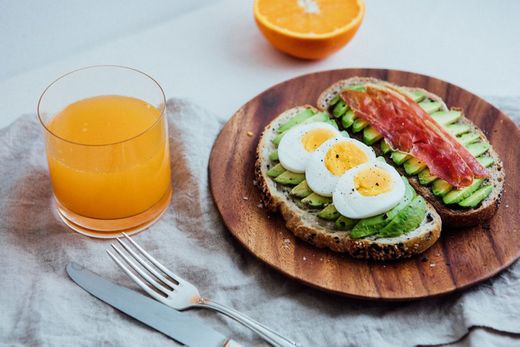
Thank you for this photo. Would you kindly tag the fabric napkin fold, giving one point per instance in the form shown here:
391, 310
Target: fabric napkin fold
40, 306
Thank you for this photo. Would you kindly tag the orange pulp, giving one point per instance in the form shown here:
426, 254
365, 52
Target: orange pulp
309, 29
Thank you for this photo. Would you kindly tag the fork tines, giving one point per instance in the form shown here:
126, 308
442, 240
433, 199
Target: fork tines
151, 276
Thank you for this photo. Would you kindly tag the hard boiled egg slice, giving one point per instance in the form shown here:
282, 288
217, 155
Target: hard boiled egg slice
368, 190
301, 141
332, 159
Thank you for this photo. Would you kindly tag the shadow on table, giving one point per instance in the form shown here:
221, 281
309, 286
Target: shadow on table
247, 47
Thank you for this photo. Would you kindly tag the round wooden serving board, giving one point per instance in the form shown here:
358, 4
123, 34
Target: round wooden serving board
461, 258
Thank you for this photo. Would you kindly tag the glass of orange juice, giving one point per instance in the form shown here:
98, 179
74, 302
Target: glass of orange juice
106, 140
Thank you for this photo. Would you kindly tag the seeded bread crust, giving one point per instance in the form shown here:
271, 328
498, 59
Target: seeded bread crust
305, 224
451, 216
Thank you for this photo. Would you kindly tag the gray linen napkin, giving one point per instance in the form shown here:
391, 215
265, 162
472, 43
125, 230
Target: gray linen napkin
40, 306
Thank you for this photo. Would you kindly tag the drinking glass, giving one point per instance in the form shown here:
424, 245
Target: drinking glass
106, 140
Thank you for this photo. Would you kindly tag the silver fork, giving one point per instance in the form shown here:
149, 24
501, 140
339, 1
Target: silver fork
170, 289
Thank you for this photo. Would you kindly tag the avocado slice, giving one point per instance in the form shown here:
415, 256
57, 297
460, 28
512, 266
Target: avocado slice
477, 149
407, 220
371, 135
316, 200
430, 106
440, 187
409, 195
468, 138
425, 177
318, 117
486, 161
273, 156
399, 157
348, 119
358, 125
413, 166
276, 140
369, 226
344, 133
289, 178
276, 170
302, 190
299, 118
458, 129
477, 197
446, 117
340, 109
333, 123
329, 213
334, 100
457, 195
385, 147
358, 87
415, 95
344, 223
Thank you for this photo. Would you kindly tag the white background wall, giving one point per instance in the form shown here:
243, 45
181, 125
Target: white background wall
211, 50
34, 33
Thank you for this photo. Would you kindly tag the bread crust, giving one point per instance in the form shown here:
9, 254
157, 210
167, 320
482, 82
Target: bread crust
305, 224
451, 216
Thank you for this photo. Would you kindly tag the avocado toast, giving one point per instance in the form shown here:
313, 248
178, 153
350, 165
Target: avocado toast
409, 227
466, 206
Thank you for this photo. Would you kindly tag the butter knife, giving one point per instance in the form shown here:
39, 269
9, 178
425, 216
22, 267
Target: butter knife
179, 326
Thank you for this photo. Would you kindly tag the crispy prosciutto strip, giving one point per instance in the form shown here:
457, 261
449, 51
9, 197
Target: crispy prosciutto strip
408, 128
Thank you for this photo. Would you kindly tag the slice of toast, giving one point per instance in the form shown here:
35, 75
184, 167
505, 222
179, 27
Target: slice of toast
306, 225
451, 215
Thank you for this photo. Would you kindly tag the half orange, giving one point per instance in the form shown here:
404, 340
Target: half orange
309, 29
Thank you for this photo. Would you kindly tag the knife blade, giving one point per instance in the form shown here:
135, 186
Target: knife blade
182, 328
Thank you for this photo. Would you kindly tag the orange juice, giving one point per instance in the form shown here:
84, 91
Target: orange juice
109, 158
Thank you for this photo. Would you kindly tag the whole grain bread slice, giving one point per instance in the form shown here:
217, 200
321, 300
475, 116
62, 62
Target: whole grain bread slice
451, 215
305, 224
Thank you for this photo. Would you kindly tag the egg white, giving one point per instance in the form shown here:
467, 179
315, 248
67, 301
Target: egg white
350, 203
291, 152
318, 177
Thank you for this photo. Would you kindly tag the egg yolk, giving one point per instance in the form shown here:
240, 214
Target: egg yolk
315, 137
343, 156
373, 181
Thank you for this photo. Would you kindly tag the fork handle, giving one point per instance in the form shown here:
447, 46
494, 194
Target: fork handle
269, 335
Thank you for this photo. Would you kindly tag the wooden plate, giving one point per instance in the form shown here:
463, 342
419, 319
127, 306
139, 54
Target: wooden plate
461, 258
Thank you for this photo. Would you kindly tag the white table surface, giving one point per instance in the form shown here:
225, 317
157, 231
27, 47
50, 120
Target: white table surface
212, 52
